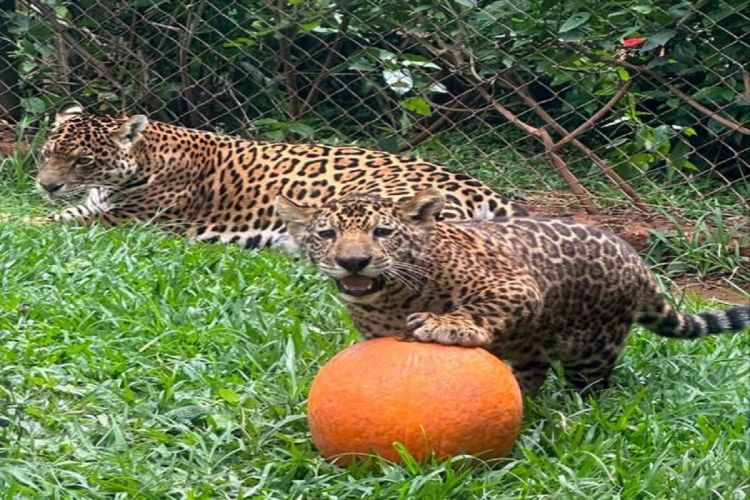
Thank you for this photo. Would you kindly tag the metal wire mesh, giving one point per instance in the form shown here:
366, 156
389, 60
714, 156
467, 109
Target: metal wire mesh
616, 103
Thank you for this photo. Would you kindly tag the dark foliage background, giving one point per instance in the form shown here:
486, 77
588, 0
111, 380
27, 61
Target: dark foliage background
614, 101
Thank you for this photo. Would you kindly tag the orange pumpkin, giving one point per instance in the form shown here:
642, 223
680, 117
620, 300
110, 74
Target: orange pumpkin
434, 399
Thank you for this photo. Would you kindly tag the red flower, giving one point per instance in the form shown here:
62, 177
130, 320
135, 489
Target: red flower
633, 42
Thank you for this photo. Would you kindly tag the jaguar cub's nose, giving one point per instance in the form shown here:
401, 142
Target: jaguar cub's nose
353, 264
51, 187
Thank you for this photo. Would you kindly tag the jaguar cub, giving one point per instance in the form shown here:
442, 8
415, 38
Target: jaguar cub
530, 290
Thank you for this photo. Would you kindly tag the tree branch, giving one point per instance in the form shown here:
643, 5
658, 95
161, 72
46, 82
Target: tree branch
327, 65
457, 64
691, 13
730, 124
184, 52
431, 129
593, 119
286, 34
581, 193
80, 50
588, 153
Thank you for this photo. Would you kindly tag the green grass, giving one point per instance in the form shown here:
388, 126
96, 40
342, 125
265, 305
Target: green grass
710, 248
136, 364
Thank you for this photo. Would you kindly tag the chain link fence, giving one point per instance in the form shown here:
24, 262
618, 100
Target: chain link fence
597, 107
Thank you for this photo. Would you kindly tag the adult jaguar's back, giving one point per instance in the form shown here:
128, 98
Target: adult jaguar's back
217, 187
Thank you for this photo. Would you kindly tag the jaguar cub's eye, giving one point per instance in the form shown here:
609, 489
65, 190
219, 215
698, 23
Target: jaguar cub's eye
383, 232
327, 234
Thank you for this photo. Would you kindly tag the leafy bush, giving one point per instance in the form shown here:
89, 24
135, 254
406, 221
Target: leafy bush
378, 72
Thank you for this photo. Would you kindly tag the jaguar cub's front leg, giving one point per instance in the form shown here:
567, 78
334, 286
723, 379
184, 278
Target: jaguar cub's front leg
481, 324
458, 328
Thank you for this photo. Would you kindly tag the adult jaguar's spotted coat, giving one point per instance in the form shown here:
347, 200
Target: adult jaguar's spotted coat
531, 290
216, 187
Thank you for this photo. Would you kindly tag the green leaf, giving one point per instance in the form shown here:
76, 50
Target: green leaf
642, 159
680, 152
417, 105
688, 165
684, 51
229, 395
399, 80
642, 9
301, 129
306, 27
361, 65
34, 105
658, 39
390, 143
561, 78
574, 21
623, 74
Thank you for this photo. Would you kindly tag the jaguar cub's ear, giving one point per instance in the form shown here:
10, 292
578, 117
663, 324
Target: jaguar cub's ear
131, 130
423, 208
294, 216
66, 112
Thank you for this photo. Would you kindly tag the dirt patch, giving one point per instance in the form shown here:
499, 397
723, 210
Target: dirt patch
710, 289
9, 139
635, 227
28, 219
628, 223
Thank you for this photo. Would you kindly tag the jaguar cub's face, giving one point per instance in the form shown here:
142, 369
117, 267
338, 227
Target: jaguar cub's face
362, 242
85, 151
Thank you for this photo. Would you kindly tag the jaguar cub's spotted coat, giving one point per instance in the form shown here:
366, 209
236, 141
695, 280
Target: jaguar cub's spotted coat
216, 187
530, 290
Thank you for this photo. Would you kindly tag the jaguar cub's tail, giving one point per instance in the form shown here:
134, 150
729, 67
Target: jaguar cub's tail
664, 320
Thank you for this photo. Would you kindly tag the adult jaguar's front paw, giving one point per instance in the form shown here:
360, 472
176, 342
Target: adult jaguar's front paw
446, 329
67, 215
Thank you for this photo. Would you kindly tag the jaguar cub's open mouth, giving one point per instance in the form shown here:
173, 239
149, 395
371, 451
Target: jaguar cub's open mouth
358, 285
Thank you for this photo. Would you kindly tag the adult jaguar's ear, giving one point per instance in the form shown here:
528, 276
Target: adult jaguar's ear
294, 216
131, 130
423, 208
66, 112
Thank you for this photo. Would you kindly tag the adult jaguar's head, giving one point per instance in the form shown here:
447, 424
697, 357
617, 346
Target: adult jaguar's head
363, 242
85, 151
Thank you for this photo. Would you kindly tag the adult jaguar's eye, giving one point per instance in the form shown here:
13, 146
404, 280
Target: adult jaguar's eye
383, 232
83, 161
327, 234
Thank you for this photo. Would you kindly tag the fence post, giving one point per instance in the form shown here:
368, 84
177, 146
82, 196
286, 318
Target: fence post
8, 71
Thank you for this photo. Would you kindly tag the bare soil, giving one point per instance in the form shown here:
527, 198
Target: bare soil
7, 138
711, 289
628, 223
635, 227
9, 142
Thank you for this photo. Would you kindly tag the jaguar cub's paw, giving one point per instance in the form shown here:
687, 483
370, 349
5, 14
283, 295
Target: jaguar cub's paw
446, 329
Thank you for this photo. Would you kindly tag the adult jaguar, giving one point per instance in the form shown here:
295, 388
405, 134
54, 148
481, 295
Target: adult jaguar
216, 187
529, 289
